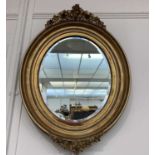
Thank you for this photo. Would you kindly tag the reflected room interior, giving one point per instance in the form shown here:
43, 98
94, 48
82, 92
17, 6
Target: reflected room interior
75, 79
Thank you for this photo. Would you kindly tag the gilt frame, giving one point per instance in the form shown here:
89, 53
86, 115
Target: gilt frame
75, 22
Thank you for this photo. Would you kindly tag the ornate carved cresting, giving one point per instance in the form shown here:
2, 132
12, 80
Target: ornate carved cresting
77, 14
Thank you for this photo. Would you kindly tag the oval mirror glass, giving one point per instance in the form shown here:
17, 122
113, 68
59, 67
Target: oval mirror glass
75, 79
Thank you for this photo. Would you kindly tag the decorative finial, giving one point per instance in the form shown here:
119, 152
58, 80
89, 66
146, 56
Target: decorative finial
76, 7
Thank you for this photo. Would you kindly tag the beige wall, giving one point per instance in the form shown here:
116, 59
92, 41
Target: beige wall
128, 21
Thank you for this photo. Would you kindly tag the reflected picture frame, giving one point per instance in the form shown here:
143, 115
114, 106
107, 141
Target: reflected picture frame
69, 23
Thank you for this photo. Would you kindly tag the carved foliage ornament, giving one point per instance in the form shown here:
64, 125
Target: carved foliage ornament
77, 14
67, 24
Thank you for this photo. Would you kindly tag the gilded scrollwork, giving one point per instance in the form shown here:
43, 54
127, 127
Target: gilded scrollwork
76, 145
77, 14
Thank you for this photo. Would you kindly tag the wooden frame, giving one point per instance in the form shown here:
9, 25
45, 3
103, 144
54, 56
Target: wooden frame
75, 22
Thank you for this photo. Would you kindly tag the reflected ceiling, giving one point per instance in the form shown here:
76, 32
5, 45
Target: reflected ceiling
70, 71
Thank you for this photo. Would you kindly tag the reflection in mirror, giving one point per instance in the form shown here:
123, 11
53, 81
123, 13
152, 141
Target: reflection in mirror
75, 79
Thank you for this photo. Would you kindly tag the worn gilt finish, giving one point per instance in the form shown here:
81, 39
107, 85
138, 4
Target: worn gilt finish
75, 22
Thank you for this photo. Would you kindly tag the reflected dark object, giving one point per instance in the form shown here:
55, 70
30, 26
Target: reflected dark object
89, 56
80, 112
63, 110
76, 112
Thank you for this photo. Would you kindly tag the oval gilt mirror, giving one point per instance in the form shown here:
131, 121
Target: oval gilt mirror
74, 79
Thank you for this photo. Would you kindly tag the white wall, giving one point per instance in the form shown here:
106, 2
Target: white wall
128, 21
